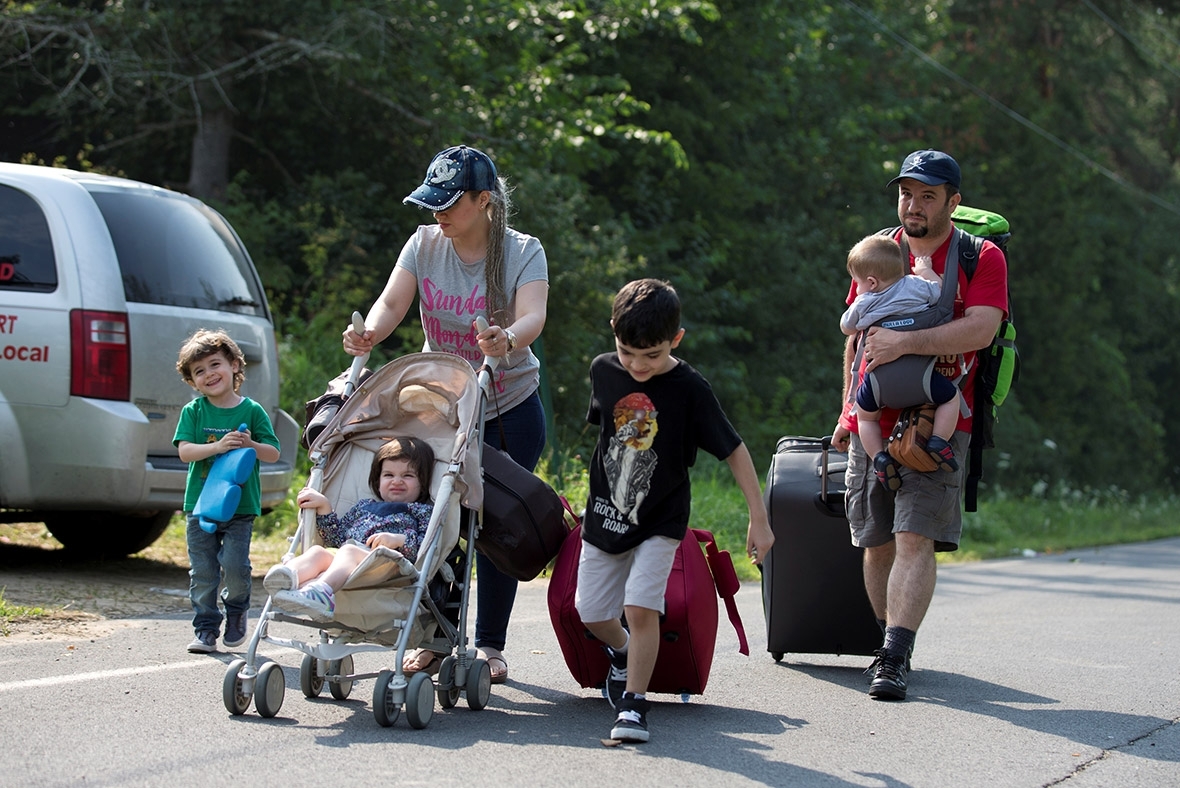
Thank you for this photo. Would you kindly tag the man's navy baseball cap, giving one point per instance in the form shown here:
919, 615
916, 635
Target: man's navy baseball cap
453, 172
931, 167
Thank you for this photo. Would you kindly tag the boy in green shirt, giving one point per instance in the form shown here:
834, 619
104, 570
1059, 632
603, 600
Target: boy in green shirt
209, 426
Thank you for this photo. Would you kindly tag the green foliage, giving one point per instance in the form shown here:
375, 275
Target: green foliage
737, 148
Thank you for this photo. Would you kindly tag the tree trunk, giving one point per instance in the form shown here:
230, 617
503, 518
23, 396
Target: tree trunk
209, 169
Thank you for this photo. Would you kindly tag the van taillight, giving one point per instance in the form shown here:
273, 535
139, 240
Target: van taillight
100, 355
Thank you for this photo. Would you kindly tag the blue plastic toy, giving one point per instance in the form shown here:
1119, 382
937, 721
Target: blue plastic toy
223, 487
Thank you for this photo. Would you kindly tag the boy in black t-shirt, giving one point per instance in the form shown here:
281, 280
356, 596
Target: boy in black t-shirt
653, 411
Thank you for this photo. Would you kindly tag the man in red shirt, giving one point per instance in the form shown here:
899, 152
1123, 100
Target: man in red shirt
901, 531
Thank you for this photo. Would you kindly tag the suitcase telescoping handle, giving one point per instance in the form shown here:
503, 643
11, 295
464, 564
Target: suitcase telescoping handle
831, 504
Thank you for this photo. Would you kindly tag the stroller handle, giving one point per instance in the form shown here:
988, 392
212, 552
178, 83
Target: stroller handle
358, 363
482, 324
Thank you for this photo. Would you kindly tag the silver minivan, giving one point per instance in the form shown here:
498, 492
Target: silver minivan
101, 279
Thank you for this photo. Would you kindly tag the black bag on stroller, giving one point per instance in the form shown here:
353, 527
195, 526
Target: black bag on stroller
320, 411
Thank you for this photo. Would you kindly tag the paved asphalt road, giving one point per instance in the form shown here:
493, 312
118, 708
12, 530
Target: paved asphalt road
1054, 670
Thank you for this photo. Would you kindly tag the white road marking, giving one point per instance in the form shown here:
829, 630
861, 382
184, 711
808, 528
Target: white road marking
99, 675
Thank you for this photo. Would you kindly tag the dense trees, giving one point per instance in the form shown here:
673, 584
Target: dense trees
736, 147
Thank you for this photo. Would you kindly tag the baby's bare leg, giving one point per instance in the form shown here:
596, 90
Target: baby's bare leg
310, 563
869, 425
946, 418
348, 558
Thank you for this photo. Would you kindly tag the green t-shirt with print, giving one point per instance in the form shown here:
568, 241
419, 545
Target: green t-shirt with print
203, 422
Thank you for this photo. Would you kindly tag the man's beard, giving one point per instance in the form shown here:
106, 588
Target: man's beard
920, 232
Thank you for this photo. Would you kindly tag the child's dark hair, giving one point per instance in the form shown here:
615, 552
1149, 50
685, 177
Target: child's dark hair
205, 343
415, 451
646, 313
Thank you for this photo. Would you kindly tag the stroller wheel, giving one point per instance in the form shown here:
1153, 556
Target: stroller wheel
448, 693
340, 687
479, 685
233, 692
311, 677
420, 700
386, 710
269, 689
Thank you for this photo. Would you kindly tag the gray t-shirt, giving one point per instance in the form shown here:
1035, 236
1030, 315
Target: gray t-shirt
906, 296
452, 293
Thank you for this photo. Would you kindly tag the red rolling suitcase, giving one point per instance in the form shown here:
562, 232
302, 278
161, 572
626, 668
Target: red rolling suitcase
813, 591
688, 629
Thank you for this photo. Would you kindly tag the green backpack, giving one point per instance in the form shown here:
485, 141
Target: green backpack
997, 367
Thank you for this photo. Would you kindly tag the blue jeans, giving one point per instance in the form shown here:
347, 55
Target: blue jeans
227, 551
524, 440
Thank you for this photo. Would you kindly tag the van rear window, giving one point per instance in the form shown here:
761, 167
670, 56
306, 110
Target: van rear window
26, 250
176, 252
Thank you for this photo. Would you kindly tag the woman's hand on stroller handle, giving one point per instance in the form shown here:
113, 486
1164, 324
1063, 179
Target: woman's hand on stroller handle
494, 341
357, 342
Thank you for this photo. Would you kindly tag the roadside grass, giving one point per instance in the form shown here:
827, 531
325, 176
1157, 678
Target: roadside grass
10, 613
1050, 521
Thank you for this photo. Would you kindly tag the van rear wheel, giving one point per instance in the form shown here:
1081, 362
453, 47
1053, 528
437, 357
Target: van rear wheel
113, 534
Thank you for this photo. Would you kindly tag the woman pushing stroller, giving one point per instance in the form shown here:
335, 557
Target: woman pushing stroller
471, 264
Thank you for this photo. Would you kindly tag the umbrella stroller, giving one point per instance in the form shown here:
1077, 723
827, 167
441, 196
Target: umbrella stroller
389, 604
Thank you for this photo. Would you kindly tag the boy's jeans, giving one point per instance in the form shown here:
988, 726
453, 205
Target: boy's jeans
227, 550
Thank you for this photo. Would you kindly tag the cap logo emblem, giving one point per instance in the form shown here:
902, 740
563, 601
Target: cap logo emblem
444, 170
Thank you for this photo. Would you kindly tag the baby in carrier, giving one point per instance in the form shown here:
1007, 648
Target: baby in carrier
886, 294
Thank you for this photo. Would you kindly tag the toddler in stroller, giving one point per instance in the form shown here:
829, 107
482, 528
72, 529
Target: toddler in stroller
397, 519
391, 599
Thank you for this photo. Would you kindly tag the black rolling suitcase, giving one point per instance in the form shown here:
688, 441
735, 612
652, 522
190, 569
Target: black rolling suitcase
813, 589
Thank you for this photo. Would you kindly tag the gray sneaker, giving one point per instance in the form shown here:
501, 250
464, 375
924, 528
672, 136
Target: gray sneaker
203, 643
631, 724
235, 629
314, 600
280, 578
616, 677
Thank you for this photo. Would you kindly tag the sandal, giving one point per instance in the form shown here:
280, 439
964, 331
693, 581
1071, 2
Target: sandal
493, 656
421, 660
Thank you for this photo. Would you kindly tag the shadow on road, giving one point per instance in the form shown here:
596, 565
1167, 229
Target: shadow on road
1097, 728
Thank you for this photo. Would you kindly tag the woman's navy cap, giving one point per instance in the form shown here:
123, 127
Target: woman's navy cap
453, 172
931, 167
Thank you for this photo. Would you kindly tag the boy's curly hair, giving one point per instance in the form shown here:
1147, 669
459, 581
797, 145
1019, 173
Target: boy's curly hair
205, 343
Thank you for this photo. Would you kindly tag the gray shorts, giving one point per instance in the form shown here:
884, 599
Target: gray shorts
638, 577
928, 504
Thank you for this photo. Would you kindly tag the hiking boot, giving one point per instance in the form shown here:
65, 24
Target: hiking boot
887, 470
616, 678
280, 578
203, 643
314, 600
889, 680
631, 724
941, 452
235, 629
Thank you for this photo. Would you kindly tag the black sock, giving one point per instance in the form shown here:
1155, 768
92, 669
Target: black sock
899, 641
